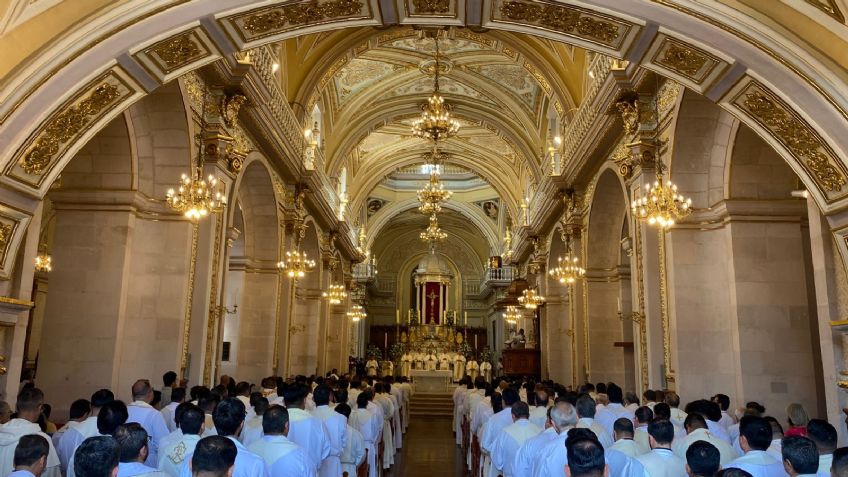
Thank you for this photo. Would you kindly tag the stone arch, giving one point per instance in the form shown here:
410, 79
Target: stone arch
107, 161
756, 171
252, 280
382, 219
607, 213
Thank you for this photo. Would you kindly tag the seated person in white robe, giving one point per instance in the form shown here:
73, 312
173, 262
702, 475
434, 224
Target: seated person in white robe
283, 458
30, 456
89, 456
173, 452
702, 459
661, 461
354, 451
800, 456
133, 443
755, 438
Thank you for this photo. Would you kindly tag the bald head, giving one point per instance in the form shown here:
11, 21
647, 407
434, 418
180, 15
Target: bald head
142, 391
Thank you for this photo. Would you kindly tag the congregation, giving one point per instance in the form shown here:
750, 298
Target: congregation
518, 428
301, 427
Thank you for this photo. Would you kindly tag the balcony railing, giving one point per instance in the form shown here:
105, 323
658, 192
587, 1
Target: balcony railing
497, 277
364, 272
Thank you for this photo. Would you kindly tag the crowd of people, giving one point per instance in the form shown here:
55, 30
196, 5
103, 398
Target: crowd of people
525, 429
301, 427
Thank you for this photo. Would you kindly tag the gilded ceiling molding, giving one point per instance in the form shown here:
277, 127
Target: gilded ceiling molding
564, 19
278, 19
829, 7
690, 64
791, 131
169, 58
64, 130
430, 7
667, 97
13, 225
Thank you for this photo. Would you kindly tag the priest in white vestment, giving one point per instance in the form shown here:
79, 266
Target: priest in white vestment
472, 368
370, 425
529, 451
825, 437
623, 435
512, 438
133, 443
151, 420
354, 451
696, 430
755, 438
387, 408
459, 395
405, 365
283, 458
173, 454
371, 368
614, 410
586, 419
551, 458
486, 371
306, 430
336, 427
458, 367
72, 438
661, 461
29, 404
431, 362
496, 424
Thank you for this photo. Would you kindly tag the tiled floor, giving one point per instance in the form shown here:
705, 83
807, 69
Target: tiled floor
429, 450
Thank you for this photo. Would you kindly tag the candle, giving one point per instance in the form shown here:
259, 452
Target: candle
397, 314
466, 318
475, 341
386, 341
619, 305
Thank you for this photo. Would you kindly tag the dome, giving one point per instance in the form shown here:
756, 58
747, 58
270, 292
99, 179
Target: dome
433, 264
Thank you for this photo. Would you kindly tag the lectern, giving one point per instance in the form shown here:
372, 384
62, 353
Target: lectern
522, 362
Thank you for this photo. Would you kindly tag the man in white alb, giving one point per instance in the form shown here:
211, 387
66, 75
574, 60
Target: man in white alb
151, 420
283, 458
336, 427
306, 430
696, 430
354, 451
755, 438
512, 437
661, 461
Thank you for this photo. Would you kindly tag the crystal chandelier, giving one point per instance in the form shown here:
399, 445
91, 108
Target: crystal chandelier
433, 193
512, 315
43, 262
196, 197
357, 313
296, 264
531, 300
433, 233
661, 205
568, 269
335, 294
435, 122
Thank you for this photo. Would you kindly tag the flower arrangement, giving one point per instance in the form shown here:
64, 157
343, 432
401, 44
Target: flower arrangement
373, 352
465, 350
487, 356
395, 352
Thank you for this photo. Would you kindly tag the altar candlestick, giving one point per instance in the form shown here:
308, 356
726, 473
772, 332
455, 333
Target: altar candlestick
386, 341
619, 305
466, 318
397, 314
475, 341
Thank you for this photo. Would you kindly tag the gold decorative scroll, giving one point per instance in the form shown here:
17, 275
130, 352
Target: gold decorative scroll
543, 82
667, 96
214, 305
565, 19
178, 51
277, 19
71, 121
192, 268
665, 319
431, 7
794, 134
683, 59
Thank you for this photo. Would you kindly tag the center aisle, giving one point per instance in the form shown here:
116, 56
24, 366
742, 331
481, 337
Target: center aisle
429, 448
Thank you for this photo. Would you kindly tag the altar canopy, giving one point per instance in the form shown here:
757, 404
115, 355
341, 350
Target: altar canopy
432, 284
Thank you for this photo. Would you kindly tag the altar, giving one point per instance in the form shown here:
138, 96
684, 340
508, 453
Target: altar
431, 381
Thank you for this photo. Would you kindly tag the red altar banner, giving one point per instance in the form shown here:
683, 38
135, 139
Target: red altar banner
432, 303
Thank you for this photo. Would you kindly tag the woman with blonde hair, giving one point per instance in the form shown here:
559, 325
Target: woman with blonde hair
797, 417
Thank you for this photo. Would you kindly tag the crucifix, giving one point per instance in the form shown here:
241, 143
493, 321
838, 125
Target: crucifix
432, 296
